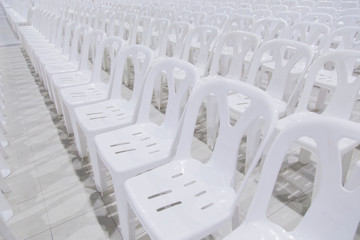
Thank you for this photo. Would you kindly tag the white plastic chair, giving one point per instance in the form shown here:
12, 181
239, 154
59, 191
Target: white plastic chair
269, 28
329, 10
188, 199
117, 111
334, 206
286, 63
198, 45
96, 90
228, 61
303, 10
313, 34
146, 144
83, 73
155, 34
339, 105
261, 13
198, 18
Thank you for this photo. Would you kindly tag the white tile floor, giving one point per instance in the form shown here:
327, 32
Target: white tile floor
53, 195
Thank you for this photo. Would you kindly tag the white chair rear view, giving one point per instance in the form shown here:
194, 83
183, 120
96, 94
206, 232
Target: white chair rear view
188, 199
334, 211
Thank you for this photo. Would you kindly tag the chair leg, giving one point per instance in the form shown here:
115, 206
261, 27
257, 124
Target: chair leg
320, 103
304, 156
98, 167
127, 222
67, 120
212, 120
79, 138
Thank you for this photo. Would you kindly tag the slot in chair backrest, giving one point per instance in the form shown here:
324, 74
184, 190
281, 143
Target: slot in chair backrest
334, 206
269, 28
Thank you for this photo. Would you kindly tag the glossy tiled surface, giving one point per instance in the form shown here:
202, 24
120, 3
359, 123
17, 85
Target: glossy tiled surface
53, 195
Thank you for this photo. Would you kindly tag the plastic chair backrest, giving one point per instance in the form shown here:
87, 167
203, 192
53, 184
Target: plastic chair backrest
88, 48
344, 96
334, 206
241, 43
313, 34
178, 89
140, 57
224, 156
319, 18
346, 21
176, 32
239, 23
155, 32
108, 47
269, 28
343, 38
291, 17
138, 33
204, 37
286, 54
69, 32
303, 10
183, 16
218, 20
198, 18
329, 10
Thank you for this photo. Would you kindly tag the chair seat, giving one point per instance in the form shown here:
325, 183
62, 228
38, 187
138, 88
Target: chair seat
63, 67
138, 146
83, 94
105, 115
261, 230
71, 78
196, 194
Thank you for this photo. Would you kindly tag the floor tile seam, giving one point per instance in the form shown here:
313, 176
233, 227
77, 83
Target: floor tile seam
77, 216
29, 238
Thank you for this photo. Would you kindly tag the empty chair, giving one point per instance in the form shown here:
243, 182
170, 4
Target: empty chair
198, 45
334, 205
339, 104
303, 10
155, 34
198, 197
269, 28
313, 34
275, 9
96, 90
117, 111
329, 10
131, 150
